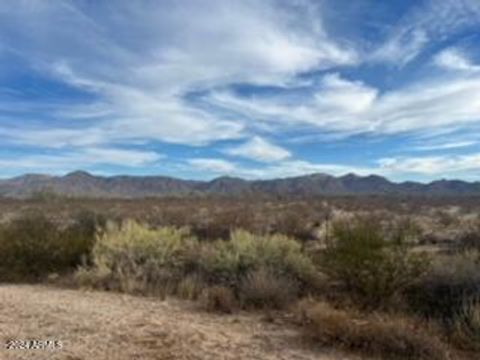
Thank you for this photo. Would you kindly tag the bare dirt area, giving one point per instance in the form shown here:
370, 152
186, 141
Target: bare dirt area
98, 325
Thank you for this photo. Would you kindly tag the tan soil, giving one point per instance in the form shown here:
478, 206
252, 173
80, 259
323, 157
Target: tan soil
101, 325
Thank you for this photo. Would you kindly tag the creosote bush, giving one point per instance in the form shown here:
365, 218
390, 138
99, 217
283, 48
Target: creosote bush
229, 262
33, 246
371, 268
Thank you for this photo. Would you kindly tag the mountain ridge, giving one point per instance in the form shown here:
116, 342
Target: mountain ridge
85, 184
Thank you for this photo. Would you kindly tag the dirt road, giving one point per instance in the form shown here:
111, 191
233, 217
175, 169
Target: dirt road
100, 325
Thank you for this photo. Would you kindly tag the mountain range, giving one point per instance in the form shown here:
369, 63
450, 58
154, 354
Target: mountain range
84, 184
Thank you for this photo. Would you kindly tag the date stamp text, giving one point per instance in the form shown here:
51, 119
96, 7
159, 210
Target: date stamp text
33, 345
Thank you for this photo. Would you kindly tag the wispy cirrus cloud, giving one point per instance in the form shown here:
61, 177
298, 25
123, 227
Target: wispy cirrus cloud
142, 75
425, 24
445, 145
350, 107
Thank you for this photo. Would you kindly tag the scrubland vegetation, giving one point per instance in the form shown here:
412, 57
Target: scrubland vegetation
375, 281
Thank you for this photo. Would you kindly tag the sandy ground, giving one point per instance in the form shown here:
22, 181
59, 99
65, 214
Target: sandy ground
100, 325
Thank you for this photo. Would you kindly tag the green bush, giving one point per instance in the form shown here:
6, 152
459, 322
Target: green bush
134, 258
229, 262
32, 246
371, 268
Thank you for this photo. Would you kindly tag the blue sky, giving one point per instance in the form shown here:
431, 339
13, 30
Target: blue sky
257, 89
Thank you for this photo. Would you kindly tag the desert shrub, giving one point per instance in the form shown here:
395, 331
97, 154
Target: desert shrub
443, 290
229, 262
446, 218
373, 335
465, 330
295, 223
220, 224
32, 246
219, 299
135, 258
371, 268
261, 288
470, 239
402, 229
81, 233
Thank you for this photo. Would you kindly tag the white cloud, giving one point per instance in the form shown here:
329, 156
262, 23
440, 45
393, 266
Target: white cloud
81, 159
445, 146
160, 72
348, 107
455, 59
142, 60
259, 149
300, 167
282, 169
422, 25
122, 157
443, 165
341, 95
337, 104
216, 166
402, 47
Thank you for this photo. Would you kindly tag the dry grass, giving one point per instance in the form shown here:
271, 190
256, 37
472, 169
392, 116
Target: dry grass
372, 335
261, 288
109, 326
191, 287
465, 331
219, 299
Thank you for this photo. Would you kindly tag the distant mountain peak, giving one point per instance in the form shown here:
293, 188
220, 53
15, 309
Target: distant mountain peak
79, 174
227, 178
82, 183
